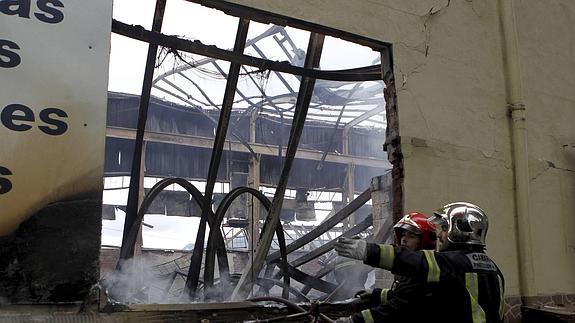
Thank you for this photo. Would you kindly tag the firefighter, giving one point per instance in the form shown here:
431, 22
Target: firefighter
414, 232
464, 283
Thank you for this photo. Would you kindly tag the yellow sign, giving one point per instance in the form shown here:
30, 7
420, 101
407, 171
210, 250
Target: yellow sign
53, 92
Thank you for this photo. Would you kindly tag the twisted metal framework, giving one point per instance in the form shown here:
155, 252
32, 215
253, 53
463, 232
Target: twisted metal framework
308, 74
216, 243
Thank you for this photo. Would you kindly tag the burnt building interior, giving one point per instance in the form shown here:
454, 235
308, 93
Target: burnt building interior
277, 146
265, 130
200, 160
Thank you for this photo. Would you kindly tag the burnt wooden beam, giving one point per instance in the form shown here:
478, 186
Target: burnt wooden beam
132, 206
225, 113
304, 97
367, 73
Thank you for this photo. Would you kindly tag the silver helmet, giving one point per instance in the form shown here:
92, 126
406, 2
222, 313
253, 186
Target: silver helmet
466, 223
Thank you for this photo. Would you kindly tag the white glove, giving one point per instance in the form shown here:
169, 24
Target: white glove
351, 248
344, 320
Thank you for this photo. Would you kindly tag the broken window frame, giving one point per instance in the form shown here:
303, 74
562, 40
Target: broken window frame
309, 74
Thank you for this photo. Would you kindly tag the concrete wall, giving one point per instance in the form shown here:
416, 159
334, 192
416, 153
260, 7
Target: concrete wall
453, 118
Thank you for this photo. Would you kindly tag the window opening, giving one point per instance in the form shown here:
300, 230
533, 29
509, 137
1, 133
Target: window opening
267, 84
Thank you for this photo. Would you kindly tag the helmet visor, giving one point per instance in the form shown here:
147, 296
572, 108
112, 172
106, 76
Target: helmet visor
407, 227
438, 220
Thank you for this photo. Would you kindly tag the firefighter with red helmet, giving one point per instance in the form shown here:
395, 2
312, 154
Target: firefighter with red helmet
463, 282
414, 232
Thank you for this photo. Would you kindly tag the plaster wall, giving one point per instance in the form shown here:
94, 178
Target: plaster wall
454, 124
546, 41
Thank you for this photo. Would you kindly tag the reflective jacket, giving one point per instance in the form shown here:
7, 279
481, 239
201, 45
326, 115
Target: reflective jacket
465, 285
397, 303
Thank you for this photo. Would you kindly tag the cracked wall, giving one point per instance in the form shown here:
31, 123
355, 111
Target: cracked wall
454, 125
547, 54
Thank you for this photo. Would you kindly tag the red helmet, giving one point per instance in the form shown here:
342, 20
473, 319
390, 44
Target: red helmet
417, 223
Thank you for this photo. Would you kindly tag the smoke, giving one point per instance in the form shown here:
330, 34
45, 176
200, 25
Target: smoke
220, 291
138, 283
142, 280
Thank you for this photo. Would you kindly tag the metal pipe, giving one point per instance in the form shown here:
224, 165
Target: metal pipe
519, 143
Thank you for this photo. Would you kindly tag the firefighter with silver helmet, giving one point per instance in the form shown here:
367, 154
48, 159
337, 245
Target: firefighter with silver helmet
465, 284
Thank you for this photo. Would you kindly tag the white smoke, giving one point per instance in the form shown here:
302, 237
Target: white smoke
137, 283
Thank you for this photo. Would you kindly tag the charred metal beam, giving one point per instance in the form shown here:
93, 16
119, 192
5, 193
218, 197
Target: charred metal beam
324, 271
132, 205
309, 280
326, 225
304, 97
225, 113
206, 60
278, 74
245, 98
199, 88
355, 121
265, 17
357, 229
360, 227
281, 45
367, 73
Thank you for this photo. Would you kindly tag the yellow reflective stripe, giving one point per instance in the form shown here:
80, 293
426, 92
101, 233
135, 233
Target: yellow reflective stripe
472, 286
433, 271
383, 296
367, 318
501, 298
386, 255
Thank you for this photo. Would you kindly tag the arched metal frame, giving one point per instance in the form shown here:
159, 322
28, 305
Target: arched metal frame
127, 249
309, 74
219, 216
